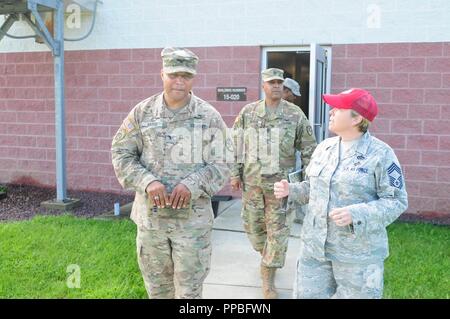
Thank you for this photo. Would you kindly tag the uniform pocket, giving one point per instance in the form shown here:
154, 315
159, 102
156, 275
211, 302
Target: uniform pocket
352, 244
204, 256
182, 213
287, 137
314, 171
153, 140
150, 131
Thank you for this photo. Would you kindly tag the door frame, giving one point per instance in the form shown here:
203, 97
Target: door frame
313, 99
302, 48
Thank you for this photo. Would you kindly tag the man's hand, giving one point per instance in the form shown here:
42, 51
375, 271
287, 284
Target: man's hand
157, 192
236, 183
180, 197
281, 189
341, 216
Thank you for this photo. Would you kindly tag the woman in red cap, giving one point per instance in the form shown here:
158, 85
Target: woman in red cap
354, 188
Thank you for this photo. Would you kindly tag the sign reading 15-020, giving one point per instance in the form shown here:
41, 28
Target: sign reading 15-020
231, 94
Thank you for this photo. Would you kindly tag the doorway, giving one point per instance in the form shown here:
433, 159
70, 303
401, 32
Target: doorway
314, 81
296, 66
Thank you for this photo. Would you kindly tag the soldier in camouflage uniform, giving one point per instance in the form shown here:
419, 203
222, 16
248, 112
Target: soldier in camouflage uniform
355, 188
291, 90
164, 151
267, 133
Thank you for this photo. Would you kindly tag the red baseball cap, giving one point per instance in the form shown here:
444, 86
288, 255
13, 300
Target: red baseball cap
354, 99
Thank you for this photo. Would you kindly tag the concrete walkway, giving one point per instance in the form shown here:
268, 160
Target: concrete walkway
235, 265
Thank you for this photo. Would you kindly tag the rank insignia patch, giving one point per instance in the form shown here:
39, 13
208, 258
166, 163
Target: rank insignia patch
395, 176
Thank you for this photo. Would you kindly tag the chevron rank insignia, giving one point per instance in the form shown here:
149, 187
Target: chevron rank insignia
395, 176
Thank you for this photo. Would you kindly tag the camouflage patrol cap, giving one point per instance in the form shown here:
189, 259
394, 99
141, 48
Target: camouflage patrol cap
179, 60
272, 74
292, 85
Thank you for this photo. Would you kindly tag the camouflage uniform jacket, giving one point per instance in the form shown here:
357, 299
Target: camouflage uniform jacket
368, 181
155, 144
287, 124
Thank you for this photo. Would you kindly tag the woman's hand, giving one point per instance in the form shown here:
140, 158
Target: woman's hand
281, 189
341, 216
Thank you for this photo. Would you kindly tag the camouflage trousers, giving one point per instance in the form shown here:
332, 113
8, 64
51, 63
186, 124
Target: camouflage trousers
266, 223
323, 279
174, 263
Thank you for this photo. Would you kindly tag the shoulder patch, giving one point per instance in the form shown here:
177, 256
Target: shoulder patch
309, 130
128, 125
395, 176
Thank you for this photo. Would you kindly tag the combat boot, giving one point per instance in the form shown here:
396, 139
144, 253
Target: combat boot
268, 282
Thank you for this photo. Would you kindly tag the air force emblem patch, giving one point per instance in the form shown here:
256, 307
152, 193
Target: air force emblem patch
395, 176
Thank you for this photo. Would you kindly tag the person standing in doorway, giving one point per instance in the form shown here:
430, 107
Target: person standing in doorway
291, 90
274, 125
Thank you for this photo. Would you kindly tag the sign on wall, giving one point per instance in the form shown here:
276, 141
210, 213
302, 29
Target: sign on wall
231, 94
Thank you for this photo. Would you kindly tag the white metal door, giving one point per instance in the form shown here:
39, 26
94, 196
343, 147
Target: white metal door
319, 83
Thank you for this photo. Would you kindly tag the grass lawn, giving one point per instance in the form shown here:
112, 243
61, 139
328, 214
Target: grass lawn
35, 254
419, 261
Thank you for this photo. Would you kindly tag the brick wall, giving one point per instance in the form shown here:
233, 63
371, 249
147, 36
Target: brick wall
101, 88
411, 82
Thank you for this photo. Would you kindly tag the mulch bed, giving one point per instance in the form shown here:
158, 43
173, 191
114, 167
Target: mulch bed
436, 218
23, 202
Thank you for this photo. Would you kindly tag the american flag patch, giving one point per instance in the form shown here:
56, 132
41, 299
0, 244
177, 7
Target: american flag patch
128, 125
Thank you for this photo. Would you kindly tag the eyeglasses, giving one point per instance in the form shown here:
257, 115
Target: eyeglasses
183, 76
